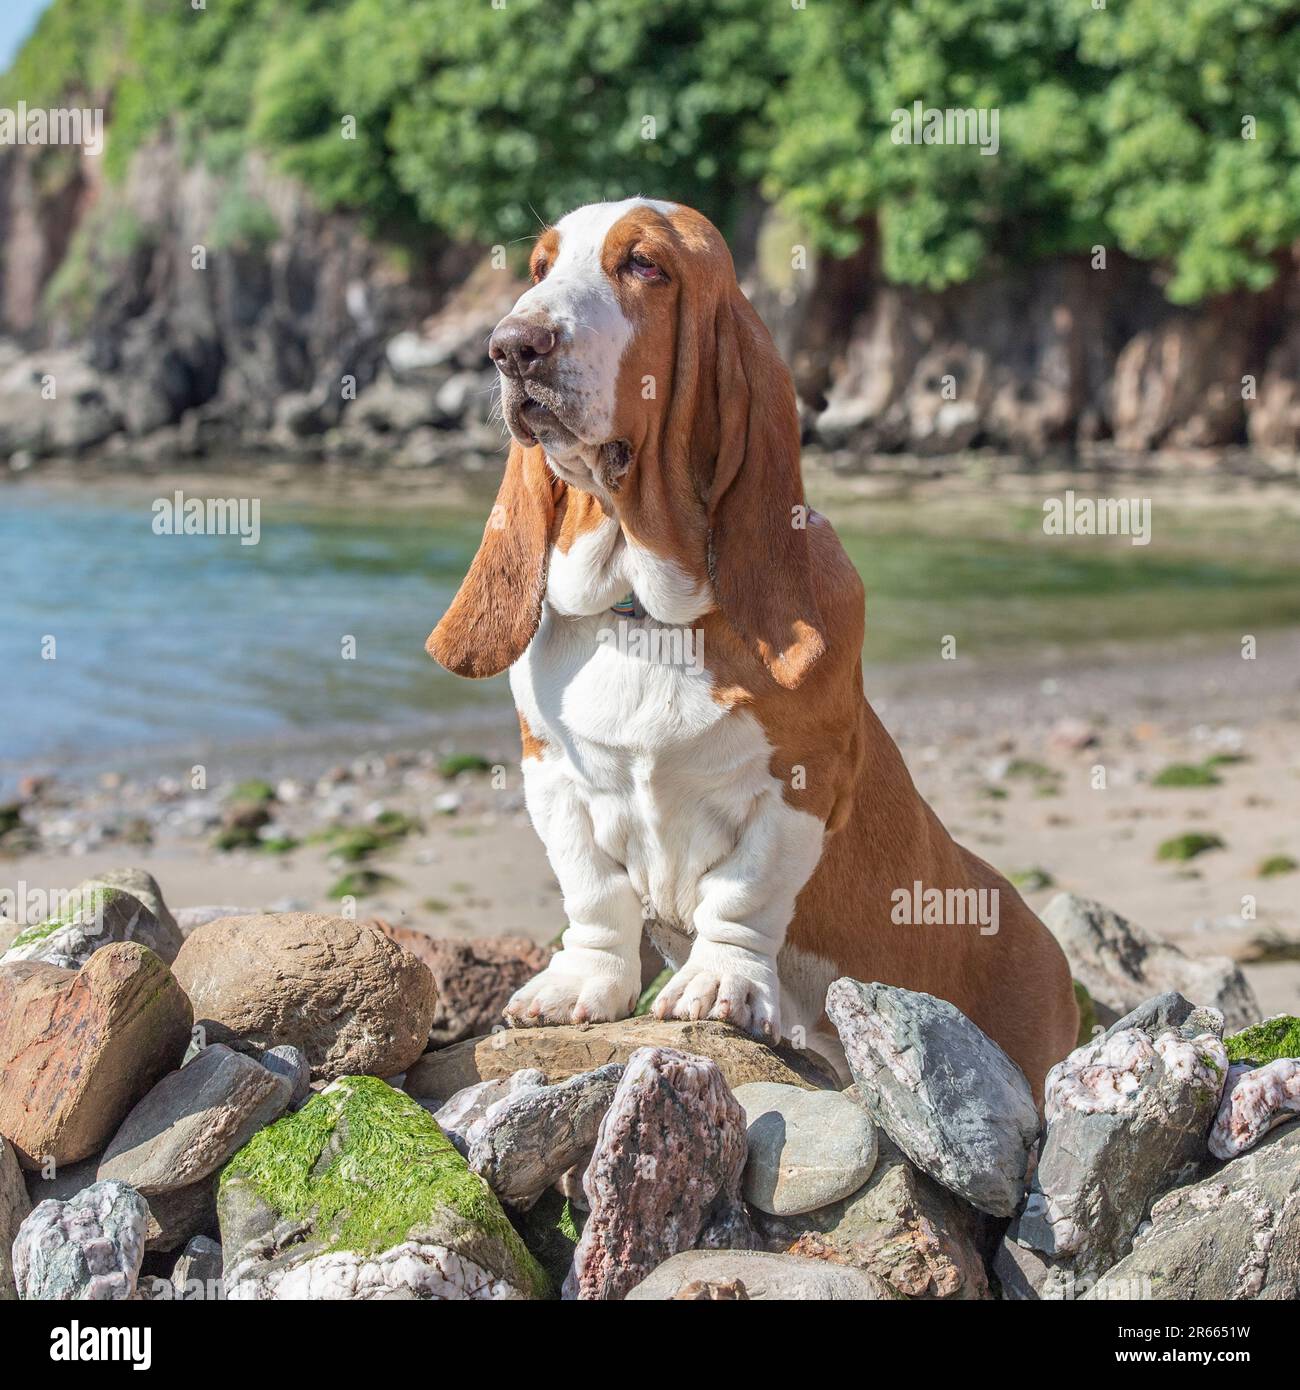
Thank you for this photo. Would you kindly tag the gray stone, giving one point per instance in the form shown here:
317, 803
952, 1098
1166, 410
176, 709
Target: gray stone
189, 919
193, 1121
289, 1062
88, 1248
197, 1274
463, 1114
528, 1141
1255, 1100
755, 1275
900, 1226
1155, 1015
1127, 1117
164, 937
94, 916
173, 1216
177, 1216
945, 1093
14, 1206
1235, 1234
665, 1175
1021, 1272
807, 1149
1121, 965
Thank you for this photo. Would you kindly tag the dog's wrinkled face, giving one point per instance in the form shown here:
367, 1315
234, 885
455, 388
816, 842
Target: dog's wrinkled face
601, 282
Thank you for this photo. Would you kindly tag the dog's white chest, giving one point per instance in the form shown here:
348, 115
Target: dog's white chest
637, 747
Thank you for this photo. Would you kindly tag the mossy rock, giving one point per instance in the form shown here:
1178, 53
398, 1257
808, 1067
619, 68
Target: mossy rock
360, 1170
1265, 1042
1187, 775
78, 909
255, 792
1181, 848
464, 762
354, 846
1276, 865
360, 883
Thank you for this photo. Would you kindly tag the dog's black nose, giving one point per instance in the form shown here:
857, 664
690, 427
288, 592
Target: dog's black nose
518, 344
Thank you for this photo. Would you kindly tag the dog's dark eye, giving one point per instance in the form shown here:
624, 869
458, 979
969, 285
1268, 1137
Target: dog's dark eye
644, 268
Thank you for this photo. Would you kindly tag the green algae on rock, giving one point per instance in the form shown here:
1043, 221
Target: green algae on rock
360, 1194
1265, 1042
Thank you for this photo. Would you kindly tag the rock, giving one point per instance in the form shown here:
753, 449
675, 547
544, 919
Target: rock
190, 919
529, 1140
14, 1206
1233, 1235
193, 1121
551, 1228
1154, 1015
565, 1051
475, 978
173, 1216
88, 1248
1127, 1117
288, 1061
1255, 1100
1269, 1041
807, 1149
177, 1216
360, 1195
79, 1048
462, 1116
164, 937
349, 998
197, 1275
1023, 1274
95, 916
1121, 965
726, 1275
1072, 735
946, 1094
665, 1173
900, 1226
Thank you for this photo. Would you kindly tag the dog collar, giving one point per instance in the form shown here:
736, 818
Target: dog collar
628, 607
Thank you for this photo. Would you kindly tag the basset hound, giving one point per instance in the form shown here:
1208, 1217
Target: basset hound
684, 639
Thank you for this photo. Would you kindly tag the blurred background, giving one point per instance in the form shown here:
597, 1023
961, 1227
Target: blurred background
275, 281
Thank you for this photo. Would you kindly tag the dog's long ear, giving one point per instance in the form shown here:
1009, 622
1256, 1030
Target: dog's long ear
499, 605
758, 541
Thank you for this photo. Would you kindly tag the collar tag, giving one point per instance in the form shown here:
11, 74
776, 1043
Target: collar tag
628, 607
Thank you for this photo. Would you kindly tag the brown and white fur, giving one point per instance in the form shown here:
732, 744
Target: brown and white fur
748, 810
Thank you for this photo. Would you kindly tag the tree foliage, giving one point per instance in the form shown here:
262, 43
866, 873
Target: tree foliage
1169, 132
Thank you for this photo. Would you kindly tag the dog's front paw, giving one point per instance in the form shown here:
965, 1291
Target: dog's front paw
727, 983
577, 987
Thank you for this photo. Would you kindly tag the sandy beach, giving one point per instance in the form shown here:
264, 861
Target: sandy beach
1052, 774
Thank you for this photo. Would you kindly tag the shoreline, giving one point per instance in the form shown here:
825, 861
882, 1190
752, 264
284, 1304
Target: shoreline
1007, 759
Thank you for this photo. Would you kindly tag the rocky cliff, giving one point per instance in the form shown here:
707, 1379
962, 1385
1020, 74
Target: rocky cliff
187, 311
